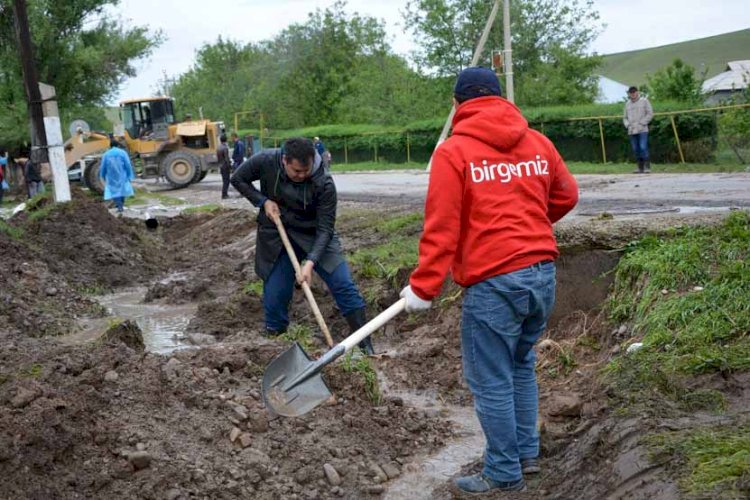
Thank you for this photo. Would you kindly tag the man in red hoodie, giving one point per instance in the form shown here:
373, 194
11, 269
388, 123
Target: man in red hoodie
496, 187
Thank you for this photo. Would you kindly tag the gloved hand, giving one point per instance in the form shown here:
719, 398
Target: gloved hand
413, 302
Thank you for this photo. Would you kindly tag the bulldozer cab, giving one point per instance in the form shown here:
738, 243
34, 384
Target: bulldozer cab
147, 118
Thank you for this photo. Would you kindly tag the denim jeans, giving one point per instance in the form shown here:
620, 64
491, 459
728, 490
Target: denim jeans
119, 203
502, 319
639, 143
279, 287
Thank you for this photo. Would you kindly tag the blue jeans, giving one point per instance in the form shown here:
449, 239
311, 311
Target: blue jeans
119, 203
639, 143
502, 319
279, 287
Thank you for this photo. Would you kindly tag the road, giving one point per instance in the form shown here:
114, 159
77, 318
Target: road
621, 195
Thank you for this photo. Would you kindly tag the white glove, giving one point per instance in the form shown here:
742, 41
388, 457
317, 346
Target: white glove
413, 302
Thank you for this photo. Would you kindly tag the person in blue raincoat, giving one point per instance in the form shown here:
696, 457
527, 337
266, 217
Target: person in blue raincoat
116, 172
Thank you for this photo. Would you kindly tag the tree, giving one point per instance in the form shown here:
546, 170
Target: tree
549, 38
80, 49
676, 82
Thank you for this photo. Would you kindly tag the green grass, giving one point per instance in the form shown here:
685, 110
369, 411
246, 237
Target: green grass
375, 166
15, 233
254, 288
143, 197
712, 53
384, 261
710, 463
731, 165
363, 367
686, 331
208, 209
300, 333
403, 223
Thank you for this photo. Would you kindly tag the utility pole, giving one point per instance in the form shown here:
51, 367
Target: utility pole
508, 59
31, 83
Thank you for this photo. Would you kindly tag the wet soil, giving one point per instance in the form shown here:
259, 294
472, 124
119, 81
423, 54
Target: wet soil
91, 419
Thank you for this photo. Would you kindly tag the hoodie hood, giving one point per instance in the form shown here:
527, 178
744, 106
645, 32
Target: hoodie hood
491, 120
316, 170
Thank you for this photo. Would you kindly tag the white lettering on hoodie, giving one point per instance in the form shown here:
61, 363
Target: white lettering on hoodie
505, 172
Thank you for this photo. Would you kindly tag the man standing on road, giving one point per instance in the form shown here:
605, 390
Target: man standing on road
638, 114
117, 172
225, 168
496, 187
295, 188
238, 153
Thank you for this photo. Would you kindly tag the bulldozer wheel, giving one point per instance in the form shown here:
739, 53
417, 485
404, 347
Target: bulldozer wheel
180, 168
202, 176
91, 176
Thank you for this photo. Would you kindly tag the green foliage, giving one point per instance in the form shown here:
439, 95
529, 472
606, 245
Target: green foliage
80, 48
254, 288
13, 232
383, 262
686, 330
203, 209
301, 334
710, 462
404, 224
550, 39
361, 365
676, 82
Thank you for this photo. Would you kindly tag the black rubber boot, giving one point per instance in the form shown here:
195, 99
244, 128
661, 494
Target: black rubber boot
357, 319
640, 167
646, 167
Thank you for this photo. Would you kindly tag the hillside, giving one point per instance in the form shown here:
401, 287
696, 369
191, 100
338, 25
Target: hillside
712, 52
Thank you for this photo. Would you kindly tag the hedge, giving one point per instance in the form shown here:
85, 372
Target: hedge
577, 140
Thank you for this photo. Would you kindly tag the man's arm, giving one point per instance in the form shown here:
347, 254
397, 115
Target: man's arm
326, 221
563, 192
625, 120
243, 178
442, 226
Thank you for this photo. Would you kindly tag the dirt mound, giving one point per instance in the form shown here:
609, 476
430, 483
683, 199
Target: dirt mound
116, 424
127, 332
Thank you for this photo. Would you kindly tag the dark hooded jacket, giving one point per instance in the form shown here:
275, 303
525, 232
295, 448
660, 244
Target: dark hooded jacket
308, 210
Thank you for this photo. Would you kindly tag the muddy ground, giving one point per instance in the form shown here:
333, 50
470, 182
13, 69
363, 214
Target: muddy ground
102, 419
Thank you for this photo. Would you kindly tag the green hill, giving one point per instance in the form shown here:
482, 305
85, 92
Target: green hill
711, 53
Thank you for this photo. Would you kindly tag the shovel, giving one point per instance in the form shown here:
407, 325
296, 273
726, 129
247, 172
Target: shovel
305, 286
292, 384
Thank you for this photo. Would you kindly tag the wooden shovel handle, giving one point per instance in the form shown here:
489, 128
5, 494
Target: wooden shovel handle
305, 286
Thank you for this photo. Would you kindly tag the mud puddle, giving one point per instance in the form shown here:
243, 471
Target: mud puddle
163, 326
425, 474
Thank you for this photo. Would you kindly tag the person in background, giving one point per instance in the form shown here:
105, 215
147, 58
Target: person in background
238, 153
637, 115
225, 168
3, 173
33, 177
496, 187
116, 171
296, 189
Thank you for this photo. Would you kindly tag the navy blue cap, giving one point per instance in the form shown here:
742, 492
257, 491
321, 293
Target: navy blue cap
477, 82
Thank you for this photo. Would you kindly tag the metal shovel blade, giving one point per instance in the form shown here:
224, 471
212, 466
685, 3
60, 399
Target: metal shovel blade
303, 396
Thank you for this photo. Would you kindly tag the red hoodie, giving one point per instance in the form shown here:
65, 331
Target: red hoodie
495, 189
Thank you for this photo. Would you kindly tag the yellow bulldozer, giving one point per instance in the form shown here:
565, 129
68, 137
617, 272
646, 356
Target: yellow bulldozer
181, 152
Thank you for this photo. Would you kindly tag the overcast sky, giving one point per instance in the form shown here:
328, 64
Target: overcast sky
187, 24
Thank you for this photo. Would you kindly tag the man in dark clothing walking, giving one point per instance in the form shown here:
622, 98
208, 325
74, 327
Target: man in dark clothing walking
295, 188
225, 168
238, 153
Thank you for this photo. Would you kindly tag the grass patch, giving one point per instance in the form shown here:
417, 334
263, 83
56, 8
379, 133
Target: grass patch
363, 367
254, 288
143, 197
411, 222
385, 261
300, 333
711, 463
15, 233
376, 166
687, 295
200, 209
33, 371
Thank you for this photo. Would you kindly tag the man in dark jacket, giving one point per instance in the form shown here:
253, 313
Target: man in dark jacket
222, 155
295, 187
238, 153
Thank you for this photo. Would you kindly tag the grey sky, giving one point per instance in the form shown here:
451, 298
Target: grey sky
187, 24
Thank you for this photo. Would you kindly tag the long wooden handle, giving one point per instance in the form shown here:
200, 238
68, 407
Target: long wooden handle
305, 286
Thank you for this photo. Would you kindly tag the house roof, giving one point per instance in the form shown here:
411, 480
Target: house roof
736, 77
